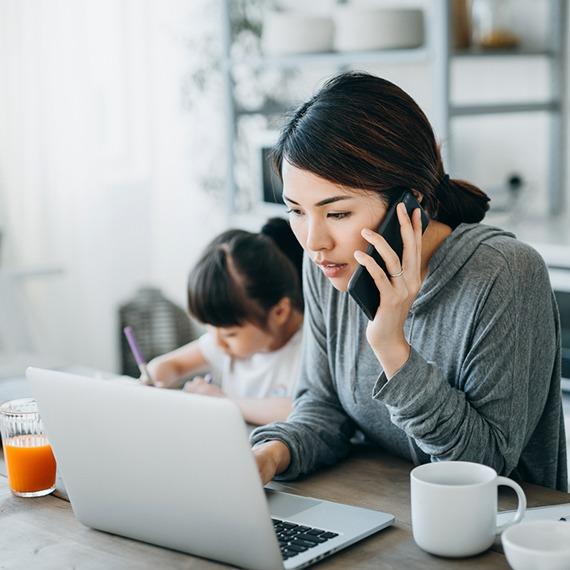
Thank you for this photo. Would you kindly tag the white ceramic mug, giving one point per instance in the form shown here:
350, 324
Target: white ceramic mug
454, 507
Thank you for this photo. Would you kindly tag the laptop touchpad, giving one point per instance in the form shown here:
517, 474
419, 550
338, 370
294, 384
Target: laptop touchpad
285, 505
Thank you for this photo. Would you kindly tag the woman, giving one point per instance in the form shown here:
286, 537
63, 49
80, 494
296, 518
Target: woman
462, 360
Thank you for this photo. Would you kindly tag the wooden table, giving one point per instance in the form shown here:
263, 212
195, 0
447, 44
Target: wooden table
43, 533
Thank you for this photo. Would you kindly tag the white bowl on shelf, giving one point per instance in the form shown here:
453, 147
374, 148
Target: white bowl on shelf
362, 28
538, 545
286, 33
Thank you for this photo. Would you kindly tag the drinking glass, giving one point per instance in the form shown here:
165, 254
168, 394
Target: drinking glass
29, 458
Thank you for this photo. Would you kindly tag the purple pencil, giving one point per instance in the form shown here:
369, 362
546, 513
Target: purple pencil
141, 363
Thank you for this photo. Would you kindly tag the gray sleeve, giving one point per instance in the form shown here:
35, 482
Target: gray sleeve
488, 413
318, 431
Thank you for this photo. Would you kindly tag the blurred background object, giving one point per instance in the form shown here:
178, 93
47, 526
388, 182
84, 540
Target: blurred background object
159, 326
492, 24
359, 27
461, 23
287, 32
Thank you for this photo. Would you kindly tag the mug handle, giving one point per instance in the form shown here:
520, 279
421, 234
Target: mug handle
521, 506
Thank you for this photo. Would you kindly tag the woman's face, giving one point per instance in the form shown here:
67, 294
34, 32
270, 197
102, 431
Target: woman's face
327, 220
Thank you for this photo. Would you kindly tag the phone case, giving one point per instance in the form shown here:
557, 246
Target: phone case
361, 286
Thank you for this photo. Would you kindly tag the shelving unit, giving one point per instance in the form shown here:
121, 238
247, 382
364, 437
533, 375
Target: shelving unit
391, 56
444, 55
437, 51
340, 60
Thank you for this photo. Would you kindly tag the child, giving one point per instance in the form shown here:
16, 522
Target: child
246, 288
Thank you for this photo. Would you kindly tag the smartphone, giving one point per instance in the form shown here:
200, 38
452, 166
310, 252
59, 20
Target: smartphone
361, 286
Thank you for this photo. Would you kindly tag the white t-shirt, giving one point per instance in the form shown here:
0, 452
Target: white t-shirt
263, 375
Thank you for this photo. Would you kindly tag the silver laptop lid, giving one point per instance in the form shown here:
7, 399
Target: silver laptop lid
133, 466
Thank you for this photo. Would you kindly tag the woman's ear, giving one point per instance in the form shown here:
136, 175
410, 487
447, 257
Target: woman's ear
418, 196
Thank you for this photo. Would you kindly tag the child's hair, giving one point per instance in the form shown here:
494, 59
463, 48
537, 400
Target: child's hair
241, 275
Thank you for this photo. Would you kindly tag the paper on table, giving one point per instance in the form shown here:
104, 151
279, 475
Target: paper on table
550, 512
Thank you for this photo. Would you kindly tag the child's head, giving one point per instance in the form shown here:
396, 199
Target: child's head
247, 288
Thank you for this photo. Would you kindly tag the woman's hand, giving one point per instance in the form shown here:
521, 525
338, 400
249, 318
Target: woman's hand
272, 458
398, 289
201, 386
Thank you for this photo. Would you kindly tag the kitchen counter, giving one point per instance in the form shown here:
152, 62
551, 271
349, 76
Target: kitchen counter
549, 235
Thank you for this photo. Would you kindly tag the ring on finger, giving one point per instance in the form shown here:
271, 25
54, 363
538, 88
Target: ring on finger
397, 274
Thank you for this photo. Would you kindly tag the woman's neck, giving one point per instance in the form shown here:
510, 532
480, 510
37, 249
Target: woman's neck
288, 330
435, 234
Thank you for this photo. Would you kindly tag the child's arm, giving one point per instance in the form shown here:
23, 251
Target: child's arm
256, 411
168, 369
260, 411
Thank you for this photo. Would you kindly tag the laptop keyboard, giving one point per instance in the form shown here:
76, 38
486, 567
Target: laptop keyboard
295, 539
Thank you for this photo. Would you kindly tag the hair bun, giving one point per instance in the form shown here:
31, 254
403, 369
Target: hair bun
279, 230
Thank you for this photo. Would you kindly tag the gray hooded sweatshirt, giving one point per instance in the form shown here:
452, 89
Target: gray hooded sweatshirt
482, 382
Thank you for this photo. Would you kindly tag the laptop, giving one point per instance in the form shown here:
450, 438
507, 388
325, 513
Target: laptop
176, 470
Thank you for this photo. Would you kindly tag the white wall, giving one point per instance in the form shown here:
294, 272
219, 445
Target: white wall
96, 160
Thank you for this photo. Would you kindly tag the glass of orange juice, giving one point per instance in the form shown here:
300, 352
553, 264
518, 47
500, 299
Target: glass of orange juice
29, 458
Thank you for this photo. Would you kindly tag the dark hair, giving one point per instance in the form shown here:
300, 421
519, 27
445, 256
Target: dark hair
241, 275
363, 132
